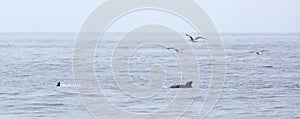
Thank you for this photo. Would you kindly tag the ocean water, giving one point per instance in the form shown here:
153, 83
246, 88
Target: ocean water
255, 86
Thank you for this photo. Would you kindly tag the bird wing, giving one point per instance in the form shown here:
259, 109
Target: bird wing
179, 50
190, 36
263, 51
199, 38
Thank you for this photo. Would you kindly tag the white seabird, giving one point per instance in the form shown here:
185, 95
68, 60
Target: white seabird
259, 52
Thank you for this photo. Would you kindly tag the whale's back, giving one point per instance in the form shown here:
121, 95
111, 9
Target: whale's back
187, 85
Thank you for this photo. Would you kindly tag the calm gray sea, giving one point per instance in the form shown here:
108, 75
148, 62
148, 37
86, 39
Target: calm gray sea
256, 86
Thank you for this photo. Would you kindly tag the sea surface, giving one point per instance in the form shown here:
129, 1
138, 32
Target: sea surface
255, 86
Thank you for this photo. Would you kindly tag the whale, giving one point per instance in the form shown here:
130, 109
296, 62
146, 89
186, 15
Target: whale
187, 85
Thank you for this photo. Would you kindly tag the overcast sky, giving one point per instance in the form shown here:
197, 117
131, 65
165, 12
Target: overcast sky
228, 15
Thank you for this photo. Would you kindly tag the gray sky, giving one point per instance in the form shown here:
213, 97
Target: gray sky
228, 15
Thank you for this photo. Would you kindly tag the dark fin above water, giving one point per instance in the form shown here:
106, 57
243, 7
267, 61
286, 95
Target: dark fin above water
58, 84
187, 85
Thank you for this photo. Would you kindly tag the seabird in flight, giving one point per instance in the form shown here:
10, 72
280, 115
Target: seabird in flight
177, 50
259, 52
194, 39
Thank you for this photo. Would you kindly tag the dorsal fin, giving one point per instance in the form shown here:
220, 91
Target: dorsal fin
58, 84
189, 83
